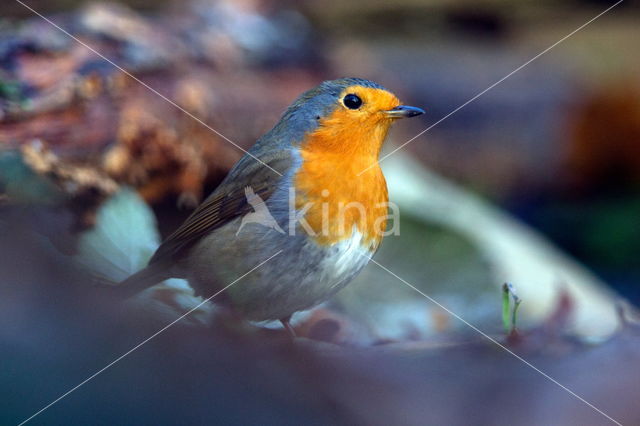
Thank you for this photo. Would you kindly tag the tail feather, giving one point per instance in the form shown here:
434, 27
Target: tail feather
123, 240
142, 280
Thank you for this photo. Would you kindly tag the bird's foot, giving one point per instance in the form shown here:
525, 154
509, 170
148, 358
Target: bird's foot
287, 326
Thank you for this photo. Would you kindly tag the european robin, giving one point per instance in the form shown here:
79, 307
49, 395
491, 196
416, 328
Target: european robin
309, 190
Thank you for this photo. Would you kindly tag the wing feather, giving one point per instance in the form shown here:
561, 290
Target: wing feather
226, 203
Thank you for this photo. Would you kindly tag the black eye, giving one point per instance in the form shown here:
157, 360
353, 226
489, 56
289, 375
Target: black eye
351, 101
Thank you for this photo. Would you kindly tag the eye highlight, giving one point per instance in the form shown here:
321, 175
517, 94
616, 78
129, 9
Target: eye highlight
352, 101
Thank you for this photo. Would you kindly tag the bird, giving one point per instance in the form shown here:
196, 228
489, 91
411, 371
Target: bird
316, 173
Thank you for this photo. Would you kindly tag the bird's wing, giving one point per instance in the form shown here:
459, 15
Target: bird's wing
227, 202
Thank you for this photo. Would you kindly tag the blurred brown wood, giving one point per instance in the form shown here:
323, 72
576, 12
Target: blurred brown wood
89, 111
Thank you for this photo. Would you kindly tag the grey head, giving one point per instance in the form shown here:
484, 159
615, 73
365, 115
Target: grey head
303, 115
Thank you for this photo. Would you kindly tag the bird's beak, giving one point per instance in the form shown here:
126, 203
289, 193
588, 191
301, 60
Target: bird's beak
404, 111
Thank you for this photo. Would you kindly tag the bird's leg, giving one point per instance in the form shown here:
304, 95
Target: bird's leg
287, 326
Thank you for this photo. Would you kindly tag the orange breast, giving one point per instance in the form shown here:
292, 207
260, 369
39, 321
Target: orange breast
328, 188
336, 200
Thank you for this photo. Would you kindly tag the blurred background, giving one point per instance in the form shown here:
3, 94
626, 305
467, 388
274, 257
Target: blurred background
556, 145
